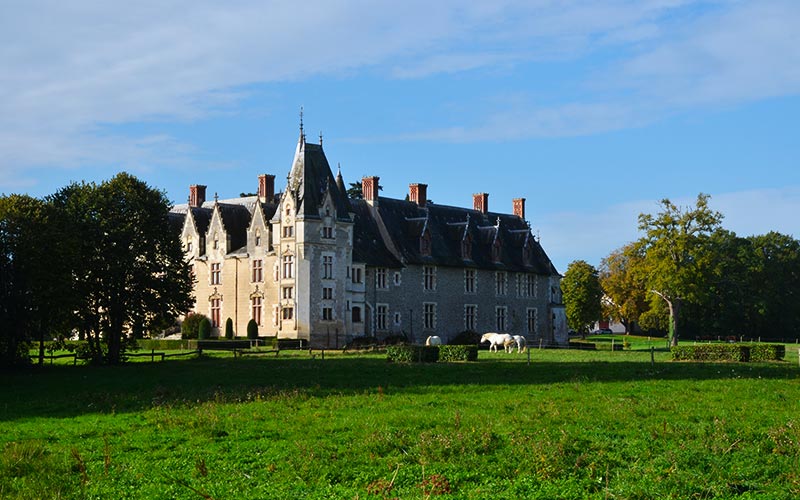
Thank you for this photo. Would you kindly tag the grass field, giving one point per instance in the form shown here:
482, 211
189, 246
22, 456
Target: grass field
572, 424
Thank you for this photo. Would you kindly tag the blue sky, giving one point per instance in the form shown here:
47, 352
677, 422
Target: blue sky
591, 110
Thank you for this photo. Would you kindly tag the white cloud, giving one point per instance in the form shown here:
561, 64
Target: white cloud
69, 68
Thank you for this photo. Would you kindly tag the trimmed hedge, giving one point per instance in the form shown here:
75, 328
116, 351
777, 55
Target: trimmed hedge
767, 352
166, 345
450, 353
711, 352
413, 353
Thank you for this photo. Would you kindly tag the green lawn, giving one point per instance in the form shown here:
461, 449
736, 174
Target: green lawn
572, 424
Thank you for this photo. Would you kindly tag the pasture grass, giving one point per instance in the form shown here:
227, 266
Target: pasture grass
572, 424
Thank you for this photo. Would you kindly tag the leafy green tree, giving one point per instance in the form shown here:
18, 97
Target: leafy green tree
204, 330
252, 329
676, 254
229, 328
130, 268
34, 278
581, 293
775, 285
622, 281
191, 325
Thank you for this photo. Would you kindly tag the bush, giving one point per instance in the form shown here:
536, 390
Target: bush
396, 339
449, 353
412, 353
767, 352
361, 343
467, 337
204, 330
166, 345
190, 328
711, 352
229, 329
252, 329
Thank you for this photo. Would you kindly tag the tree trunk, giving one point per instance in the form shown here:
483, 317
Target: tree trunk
674, 315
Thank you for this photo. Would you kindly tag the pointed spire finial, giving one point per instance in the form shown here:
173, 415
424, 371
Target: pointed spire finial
320, 137
301, 120
216, 197
338, 168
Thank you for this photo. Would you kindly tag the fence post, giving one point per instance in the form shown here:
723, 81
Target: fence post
529, 356
323, 354
652, 356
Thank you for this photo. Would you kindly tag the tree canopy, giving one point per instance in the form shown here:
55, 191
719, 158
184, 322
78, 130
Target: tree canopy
581, 291
99, 259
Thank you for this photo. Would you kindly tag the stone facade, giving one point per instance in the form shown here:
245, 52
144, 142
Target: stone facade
309, 263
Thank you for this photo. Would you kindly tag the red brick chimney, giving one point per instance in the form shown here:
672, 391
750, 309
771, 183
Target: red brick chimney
197, 195
266, 187
480, 201
519, 207
418, 193
369, 188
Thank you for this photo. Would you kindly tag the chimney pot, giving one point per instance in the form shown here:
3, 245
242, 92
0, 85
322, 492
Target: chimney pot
197, 195
418, 193
480, 202
369, 188
519, 207
266, 187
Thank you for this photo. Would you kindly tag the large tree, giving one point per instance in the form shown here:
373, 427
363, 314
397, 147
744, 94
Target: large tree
34, 276
581, 291
131, 272
676, 249
622, 280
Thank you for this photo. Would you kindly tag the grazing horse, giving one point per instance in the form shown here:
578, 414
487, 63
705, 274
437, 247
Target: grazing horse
433, 340
496, 339
522, 344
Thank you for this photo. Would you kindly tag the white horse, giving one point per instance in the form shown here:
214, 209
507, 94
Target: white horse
496, 339
433, 340
522, 344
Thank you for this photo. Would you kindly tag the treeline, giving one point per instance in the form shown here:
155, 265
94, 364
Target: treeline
689, 276
100, 260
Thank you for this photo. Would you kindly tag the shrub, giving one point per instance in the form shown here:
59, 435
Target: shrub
767, 352
190, 328
252, 329
204, 330
229, 329
449, 353
467, 337
711, 352
412, 353
361, 343
396, 339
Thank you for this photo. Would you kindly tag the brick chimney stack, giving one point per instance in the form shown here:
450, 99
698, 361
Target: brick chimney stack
197, 195
480, 202
418, 193
369, 189
519, 207
266, 187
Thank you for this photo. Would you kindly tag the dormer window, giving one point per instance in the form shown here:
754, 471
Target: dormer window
425, 243
496, 250
216, 243
466, 248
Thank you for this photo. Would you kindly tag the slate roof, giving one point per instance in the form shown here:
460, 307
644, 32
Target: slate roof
406, 222
236, 220
310, 178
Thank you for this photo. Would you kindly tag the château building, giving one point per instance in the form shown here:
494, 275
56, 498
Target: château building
310, 263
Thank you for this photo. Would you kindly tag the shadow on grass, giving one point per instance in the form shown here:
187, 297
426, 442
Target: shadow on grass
66, 391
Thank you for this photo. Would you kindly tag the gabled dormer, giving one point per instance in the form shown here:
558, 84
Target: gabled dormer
258, 233
497, 244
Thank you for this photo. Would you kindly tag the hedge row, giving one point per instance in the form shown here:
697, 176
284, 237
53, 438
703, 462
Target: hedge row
166, 345
449, 353
412, 353
728, 352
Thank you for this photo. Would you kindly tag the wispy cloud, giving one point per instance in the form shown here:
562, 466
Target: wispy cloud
70, 69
